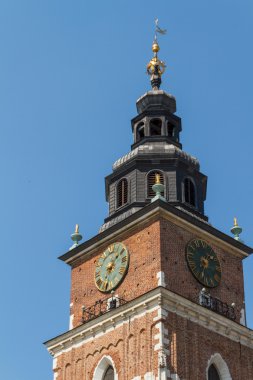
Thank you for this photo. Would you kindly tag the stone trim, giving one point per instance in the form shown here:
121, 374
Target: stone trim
159, 299
102, 366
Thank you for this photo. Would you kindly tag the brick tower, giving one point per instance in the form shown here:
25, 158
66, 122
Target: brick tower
158, 293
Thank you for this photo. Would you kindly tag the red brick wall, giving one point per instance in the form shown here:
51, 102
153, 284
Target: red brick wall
130, 347
179, 279
192, 346
160, 246
144, 248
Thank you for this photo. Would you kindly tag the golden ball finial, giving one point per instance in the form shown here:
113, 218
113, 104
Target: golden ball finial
155, 47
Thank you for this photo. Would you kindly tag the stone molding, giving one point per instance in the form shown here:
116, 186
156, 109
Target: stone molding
159, 298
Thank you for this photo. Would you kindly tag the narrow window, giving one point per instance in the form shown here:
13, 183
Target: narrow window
140, 133
189, 192
155, 127
122, 192
213, 373
170, 129
151, 182
109, 374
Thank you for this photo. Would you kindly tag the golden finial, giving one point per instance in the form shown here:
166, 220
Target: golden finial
77, 229
155, 47
235, 222
155, 67
157, 178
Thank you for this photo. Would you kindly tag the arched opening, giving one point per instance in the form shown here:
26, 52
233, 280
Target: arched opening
170, 129
151, 182
122, 192
217, 368
213, 373
109, 374
140, 131
189, 192
155, 127
105, 370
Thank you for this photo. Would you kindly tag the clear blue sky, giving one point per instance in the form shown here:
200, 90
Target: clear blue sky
70, 73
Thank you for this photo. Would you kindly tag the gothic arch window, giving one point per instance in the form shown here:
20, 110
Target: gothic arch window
140, 131
189, 192
217, 368
109, 374
151, 182
155, 127
122, 192
213, 373
105, 370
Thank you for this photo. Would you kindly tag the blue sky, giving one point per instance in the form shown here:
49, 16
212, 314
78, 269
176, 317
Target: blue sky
70, 73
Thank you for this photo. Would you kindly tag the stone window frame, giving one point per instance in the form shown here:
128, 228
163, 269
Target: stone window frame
164, 182
195, 192
102, 366
220, 365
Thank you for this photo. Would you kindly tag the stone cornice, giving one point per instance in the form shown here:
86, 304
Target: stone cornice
153, 300
152, 212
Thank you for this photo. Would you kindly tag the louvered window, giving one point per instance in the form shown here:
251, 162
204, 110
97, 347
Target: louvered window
122, 192
189, 192
213, 373
109, 375
151, 182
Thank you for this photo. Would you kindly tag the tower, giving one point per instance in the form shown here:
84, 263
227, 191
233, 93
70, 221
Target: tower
158, 292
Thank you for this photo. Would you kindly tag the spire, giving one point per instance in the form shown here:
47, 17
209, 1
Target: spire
155, 67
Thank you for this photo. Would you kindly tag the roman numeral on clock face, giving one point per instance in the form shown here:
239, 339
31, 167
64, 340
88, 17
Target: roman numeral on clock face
111, 267
203, 262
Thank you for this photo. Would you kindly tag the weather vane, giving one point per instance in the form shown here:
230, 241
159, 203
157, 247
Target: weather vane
155, 67
158, 29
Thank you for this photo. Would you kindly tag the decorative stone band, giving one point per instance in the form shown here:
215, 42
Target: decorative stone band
159, 299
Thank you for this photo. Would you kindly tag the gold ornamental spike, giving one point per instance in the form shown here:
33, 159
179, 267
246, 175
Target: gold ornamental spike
235, 222
77, 229
157, 178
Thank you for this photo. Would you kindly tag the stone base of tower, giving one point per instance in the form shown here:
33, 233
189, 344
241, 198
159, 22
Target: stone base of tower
157, 336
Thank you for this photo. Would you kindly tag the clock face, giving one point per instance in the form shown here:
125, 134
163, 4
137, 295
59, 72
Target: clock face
203, 263
111, 267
